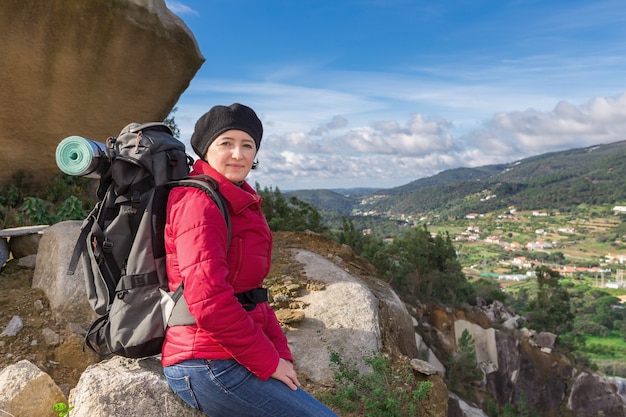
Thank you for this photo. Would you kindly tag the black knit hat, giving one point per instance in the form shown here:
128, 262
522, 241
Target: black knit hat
222, 118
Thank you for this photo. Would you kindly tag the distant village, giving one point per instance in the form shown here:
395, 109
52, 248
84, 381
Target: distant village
604, 277
472, 233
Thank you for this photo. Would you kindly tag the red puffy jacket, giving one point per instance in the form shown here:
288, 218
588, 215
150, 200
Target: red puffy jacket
196, 245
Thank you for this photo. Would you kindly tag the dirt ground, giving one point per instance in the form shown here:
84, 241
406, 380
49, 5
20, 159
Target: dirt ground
60, 356
58, 351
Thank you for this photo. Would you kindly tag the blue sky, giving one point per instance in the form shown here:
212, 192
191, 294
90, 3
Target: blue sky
378, 93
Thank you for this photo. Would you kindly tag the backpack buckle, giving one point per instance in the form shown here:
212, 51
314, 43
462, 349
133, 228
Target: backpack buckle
250, 299
107, 245
172, 160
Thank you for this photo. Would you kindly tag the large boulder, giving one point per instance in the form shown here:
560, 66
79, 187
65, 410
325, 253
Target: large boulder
67, 294
353, 316
25, 390
127, 387
593, 395
342, 318
87, 68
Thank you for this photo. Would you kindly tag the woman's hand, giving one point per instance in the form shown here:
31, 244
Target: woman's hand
285, 373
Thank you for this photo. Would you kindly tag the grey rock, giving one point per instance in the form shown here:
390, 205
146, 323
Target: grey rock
15, 325
138, 388
29, 261
593, 395
51, 337
25, 390
424, 367
4, 251
66, 293
24, 245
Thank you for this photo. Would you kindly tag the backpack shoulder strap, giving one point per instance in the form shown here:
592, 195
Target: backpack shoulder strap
80, 245
210, 186
180, 315
87, 226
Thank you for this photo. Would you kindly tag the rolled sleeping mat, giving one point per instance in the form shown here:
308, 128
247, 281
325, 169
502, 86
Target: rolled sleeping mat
83, 157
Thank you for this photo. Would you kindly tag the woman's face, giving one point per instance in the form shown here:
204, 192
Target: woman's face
232, 154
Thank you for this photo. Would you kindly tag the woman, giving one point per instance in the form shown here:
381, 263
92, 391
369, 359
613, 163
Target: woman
235, 361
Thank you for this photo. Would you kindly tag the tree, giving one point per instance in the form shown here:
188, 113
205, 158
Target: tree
291, 215
606, 314
489, 290
550, 310
425, 267
171, 123
463, 367
350, 236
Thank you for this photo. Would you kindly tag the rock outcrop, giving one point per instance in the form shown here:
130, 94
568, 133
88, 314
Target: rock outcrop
329, 309
592, 395
85, 68
521, 366
344, 315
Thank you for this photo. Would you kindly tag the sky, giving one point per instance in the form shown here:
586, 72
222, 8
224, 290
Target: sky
379, 93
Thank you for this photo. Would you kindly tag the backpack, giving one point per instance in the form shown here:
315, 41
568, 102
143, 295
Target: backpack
121, 243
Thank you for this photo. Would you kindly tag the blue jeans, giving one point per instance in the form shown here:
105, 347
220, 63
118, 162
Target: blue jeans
224, 388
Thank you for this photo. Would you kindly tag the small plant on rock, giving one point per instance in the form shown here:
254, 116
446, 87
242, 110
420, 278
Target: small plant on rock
387, 391
63, 409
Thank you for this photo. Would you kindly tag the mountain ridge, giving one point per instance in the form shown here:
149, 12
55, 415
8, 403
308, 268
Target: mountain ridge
554, 180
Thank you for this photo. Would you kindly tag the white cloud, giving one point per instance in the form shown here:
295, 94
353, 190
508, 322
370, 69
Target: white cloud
390, 153
417, 137
601, 120
180, 8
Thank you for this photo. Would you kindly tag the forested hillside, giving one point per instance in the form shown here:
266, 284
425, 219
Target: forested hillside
552, 181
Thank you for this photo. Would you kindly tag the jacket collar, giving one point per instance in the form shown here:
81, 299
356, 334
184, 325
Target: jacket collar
238, 196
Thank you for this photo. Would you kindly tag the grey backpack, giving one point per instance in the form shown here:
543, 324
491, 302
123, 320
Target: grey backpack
121, 244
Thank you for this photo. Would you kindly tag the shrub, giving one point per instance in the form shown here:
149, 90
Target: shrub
387, 391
